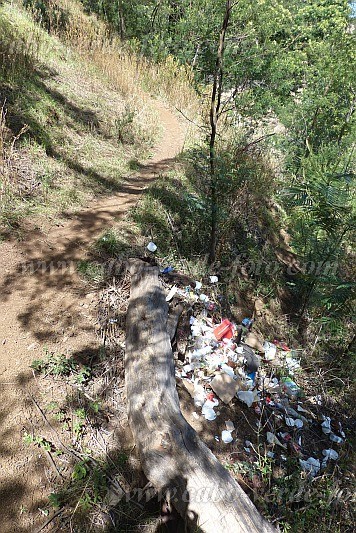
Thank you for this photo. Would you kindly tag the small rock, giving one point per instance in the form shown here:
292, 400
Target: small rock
32, 346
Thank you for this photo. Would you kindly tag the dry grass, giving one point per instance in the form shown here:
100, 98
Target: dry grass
14, 181
19, 50
129, 73
80, 91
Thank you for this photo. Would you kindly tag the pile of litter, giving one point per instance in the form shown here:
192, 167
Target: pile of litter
221, 361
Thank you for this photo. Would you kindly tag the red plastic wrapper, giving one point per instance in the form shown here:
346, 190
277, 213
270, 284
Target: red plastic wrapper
225, 330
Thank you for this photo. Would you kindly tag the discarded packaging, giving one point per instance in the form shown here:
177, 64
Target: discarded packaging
292, 363
254, 341
151, 247
229, 425
199, 395
292, 412
208, 412
281, 345
270, 351
318, 400
310, 465
228, 370
198, 400
294, 423
330, 454
272, 439
223, 358
167, 270
226, 436
210, 404
290, 387
225, 330
325, 426
252, 361
301, 410
247, 323
171, 293
225, 386
271, 384
248, 397
335, 438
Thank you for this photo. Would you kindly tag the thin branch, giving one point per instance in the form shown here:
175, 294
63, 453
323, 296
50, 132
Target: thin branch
50, 520
203, 128
256, 141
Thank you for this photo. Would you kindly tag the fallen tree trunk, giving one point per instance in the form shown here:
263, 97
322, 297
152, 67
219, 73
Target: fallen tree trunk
173, 319
173, 458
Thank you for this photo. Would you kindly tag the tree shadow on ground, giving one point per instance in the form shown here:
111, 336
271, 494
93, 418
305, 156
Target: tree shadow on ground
35, 111
48, 273
22, 105
94, 497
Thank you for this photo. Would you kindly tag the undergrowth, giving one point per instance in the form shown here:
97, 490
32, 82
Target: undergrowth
93, 477
77, 108
254, 263
60, 365
69, 119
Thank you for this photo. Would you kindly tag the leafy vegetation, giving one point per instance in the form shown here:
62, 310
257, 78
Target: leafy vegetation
40, 441
90, 270
50, 128
282, 200
284, 184
60, 365
283, 126
264, 196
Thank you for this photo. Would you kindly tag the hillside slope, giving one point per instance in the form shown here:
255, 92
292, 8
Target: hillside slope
75, 119
86, 125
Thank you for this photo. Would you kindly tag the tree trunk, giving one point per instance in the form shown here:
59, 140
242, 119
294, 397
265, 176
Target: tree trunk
214, 115
122, 28
172, 456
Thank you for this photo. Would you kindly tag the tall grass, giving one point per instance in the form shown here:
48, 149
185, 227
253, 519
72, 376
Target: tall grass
11, 183
19, 50
128, 72
53, 40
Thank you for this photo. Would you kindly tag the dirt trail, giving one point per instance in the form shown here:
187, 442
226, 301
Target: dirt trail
48, 308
